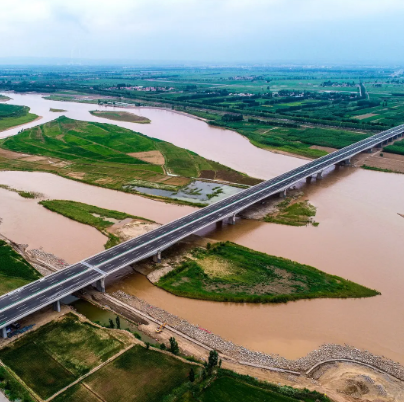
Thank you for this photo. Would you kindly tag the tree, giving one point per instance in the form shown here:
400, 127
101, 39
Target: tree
111, 323
213, 360
191, 375
174, 349
147, 345
118, 322
163, 346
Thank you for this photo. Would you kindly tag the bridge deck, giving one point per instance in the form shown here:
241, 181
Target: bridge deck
23, 301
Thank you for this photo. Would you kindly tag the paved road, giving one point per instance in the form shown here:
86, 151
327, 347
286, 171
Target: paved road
32, 297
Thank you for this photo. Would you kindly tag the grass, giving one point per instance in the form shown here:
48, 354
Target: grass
138, 374
293, 214
121, 116
13, 115
24, 194
12, 388
233, 387
102, 154
56, 110
380, 169
14, 270
396, 148
58, 353
229, 272
90, 215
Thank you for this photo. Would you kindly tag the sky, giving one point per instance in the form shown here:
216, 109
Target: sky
207, 31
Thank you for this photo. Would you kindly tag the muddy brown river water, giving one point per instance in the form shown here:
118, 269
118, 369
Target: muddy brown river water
360, 237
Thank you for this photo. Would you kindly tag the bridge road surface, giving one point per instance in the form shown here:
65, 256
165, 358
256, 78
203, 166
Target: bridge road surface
50, 289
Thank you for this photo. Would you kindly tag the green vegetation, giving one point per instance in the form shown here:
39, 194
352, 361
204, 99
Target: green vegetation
14, 270
139, 374
90, 215
294, 214
13, 115
229, 272
58, 353
380, 169
105, 155
12, 389
228, 386
121, 116
56, 110
396, 148
24, 194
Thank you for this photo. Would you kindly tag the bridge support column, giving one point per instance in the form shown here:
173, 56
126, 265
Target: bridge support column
378, 146
308, 179
4, 332
56, 306
100, 285
157, 257
232, 220
369, 151
390, 140
319, 175
347, 161
282, 194
385, 142
219, 223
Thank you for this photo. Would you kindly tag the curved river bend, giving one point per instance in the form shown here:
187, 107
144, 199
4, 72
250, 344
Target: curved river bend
359, 238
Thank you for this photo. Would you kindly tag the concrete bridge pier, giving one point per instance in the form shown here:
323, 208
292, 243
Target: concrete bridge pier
370, 150
100, 285
232, 220
319, 175
56, 305
347, 161
157, 257
308, 179
4, 332
282, 194
390, 140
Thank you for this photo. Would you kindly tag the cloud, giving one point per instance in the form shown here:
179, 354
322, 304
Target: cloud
201, 30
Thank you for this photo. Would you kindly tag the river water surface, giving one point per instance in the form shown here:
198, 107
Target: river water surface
360, 237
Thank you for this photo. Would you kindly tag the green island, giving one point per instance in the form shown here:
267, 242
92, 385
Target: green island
55, 361
99, 218
291, 213
121, 116
15, 271
13, 115
226, 271
110, 156
24, 194
4, 98
56, 110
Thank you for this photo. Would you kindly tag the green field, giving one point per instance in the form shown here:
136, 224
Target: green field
13, 115
121, 116
90, 215
56, 354
229, 272
105, 155
14, 270
228, 386
138, 375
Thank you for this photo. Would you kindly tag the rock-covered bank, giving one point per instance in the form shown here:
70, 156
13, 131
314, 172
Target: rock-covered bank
325, 353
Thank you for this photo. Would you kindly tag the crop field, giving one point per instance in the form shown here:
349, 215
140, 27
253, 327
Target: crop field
58, 353
229, 272
12, 115
14, 270
103, 154
137, 375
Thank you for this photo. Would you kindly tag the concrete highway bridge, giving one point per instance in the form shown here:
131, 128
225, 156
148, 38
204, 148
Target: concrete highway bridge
51, 289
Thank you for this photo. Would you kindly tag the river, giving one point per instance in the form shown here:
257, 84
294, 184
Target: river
359, 238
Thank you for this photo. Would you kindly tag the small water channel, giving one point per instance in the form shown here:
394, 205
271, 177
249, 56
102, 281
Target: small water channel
102, 317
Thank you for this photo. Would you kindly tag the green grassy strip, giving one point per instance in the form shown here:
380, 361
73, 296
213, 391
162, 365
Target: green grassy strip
251, 270
86, 214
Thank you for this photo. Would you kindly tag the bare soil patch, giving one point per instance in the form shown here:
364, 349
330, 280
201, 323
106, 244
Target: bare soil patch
177, 181
326, 149
128, 229
11, 154
364, 116
77, 175
154, 157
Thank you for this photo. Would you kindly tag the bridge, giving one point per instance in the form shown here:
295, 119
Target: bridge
92, 271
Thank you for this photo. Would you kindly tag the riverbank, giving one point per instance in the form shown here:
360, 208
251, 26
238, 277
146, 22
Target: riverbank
327, 352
